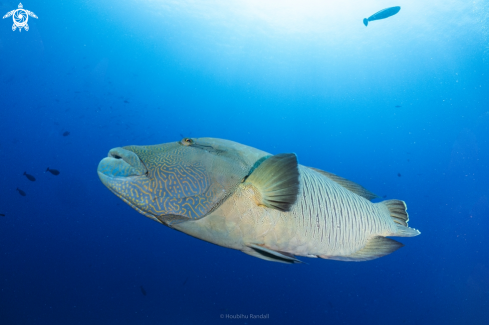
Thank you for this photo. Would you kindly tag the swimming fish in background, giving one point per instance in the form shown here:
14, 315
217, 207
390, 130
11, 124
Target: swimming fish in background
267, 206
20, 191
384, 13
2, 215
143, 291
55, 172
30, 177
66, 133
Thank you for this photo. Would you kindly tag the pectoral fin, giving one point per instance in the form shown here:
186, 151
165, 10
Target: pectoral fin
277, 181
270, 255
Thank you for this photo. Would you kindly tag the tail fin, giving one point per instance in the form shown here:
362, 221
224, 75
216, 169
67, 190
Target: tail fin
399, 215
365, 21
47, 169
397, 209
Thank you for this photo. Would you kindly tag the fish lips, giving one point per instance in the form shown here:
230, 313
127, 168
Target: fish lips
121, 163
121, 169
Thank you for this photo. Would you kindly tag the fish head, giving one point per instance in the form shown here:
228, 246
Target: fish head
178, 181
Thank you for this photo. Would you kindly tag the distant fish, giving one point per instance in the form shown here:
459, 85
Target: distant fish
143, 291
30, 177
399, 174
2, 215
66, 133
398, 106
126, 101
53, 171
21, 192
384, 13
185, 281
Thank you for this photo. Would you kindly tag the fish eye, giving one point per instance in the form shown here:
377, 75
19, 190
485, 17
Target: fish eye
187, 141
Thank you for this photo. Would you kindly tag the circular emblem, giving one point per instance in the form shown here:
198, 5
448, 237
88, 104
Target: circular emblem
20, 18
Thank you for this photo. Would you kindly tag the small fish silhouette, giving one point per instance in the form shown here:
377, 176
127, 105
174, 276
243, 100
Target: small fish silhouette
398, 106
125, 101
53, 171
21, 192
66, 133
2, 215
30, 177
384, 13
185, 281
143, 291
399, 174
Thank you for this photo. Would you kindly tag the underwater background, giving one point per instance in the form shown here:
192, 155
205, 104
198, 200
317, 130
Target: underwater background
400, 107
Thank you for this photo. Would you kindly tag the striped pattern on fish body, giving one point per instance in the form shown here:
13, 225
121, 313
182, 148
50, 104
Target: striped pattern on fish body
327, 220
335, 221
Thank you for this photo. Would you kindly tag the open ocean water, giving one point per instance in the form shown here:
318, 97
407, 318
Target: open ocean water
400, 107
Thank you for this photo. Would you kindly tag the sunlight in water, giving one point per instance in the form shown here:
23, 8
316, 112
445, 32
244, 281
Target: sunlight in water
287, 16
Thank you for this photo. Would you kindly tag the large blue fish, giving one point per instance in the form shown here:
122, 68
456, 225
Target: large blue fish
384, 13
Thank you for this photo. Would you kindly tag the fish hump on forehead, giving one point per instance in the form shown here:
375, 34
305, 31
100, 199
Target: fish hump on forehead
230, 149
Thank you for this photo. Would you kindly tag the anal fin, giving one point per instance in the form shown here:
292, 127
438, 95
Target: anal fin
376, 247
270, 255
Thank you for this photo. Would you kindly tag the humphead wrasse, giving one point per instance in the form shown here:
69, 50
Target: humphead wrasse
267, 206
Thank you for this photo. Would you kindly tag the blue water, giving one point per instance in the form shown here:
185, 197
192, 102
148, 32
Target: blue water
282, 76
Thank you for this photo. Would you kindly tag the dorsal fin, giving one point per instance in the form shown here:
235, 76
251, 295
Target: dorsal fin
349, 185
277, 181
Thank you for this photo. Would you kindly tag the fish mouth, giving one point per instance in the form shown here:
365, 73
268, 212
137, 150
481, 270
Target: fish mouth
119, 171
121, 163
